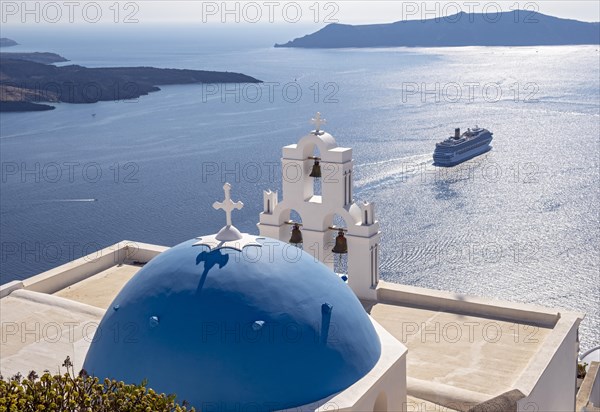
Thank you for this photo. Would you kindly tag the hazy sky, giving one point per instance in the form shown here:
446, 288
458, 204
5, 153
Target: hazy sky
361, 12
272, 11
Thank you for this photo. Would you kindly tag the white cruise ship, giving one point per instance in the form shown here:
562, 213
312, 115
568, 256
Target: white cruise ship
460, 147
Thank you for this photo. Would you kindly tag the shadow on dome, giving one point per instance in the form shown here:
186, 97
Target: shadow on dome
210, 259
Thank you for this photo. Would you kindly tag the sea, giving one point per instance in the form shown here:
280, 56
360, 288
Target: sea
520, 223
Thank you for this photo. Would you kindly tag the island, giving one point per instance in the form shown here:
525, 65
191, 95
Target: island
515, 28
24, 84
6, 42
37, 57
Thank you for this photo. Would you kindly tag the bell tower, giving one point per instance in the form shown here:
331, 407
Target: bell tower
318, 210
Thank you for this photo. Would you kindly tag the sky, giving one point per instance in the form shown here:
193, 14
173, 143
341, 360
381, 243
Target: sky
271, 11
362, 12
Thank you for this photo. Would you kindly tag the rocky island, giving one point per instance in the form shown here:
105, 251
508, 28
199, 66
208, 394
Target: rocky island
37, 57
515, 28
26, 82
6, 42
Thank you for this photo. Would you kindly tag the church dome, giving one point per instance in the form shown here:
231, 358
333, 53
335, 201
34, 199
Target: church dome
264, 328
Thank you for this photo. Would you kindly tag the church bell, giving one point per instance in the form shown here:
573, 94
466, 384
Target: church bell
316, 169
296, 237
341, 244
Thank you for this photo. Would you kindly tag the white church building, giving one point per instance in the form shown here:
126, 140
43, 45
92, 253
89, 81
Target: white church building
240, 322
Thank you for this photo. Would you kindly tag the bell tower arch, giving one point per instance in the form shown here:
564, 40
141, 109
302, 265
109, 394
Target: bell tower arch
317, 211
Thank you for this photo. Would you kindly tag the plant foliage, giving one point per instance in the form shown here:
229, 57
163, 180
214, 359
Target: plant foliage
81, 393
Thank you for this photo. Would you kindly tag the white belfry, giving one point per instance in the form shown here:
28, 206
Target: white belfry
317, 210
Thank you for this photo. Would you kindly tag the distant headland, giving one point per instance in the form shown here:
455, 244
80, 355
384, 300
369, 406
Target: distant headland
27, 79
515, 28
6, 42
38, 57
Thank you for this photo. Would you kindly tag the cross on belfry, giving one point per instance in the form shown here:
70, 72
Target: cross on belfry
317, 121
228, 205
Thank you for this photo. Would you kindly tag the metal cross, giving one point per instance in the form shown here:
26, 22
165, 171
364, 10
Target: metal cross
228, 205
317, 121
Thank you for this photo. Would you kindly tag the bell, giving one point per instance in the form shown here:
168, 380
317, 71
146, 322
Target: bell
341, 245
316, 169
296, 235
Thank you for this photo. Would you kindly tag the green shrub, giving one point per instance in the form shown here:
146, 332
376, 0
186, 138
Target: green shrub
81, 393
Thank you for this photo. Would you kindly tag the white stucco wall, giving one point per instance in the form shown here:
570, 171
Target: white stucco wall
595, 393
554, 390
86, 266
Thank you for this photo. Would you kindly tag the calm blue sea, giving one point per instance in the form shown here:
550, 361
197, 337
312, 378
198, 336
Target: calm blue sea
519, 223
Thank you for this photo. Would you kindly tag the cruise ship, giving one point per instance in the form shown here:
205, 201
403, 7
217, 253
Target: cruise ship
460, 147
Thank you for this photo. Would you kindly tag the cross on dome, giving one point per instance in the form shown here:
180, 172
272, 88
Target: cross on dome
229, 236
317, 121
227, 204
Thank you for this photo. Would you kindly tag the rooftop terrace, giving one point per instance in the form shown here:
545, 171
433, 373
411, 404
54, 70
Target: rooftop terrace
462, 351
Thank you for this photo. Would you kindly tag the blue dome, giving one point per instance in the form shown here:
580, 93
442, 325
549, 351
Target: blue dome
267, 328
